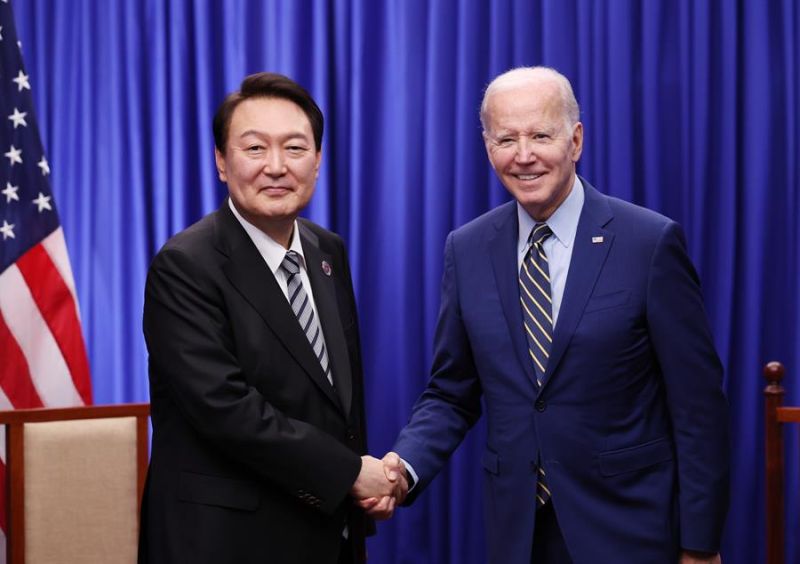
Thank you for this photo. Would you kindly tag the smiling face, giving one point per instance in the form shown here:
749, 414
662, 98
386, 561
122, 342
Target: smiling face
532, 145
270, 163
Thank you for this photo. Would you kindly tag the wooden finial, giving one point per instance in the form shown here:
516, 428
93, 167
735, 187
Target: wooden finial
773, 372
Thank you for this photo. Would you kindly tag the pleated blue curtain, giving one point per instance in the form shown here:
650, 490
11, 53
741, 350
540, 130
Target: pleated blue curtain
690, 108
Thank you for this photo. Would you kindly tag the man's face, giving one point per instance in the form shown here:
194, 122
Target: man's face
270, 163
531, 147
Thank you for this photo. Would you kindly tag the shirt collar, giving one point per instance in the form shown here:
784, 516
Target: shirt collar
563, 223
272, 251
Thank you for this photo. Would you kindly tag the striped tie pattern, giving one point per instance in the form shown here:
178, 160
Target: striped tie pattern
542, 491
301, 306
534, 295
537, 315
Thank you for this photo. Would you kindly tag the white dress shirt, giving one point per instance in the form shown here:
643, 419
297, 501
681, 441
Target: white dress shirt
273, 253
558, 247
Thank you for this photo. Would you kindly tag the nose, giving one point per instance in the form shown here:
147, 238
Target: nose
274, 163
525, 150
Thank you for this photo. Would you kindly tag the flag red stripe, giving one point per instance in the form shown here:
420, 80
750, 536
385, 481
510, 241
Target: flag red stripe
15, 378
57, 307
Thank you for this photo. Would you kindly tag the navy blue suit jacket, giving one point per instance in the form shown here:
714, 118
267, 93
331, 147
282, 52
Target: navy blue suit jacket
631, 424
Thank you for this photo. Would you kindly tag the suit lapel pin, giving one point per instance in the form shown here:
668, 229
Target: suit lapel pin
326, 268
598, 239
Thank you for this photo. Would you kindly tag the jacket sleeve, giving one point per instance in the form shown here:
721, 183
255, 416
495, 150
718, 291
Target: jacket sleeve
450, 404
692, 375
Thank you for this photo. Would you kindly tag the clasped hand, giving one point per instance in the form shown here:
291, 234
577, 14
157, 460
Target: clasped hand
381, 485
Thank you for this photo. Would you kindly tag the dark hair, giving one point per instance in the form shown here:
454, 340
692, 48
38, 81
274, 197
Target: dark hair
267, 85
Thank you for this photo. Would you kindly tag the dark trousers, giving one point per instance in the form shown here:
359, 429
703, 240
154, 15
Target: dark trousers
548, 543
346, 552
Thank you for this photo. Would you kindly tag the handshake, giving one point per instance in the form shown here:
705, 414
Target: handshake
381, 485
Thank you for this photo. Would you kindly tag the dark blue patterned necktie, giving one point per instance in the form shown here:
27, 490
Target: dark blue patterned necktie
537, 306
537, 315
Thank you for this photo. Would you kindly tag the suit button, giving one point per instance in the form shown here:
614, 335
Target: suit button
540, 405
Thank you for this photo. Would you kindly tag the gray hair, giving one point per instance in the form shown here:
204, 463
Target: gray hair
524, 75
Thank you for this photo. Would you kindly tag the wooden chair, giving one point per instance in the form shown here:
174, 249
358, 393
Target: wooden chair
776, 415
75, 478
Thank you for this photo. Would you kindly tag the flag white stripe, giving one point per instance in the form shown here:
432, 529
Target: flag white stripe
5, 403
49, 372
56, 247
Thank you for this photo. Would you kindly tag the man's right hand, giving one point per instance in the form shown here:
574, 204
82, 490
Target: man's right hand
377, 474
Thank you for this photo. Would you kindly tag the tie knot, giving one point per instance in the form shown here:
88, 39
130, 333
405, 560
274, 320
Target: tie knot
291, 262
539, 233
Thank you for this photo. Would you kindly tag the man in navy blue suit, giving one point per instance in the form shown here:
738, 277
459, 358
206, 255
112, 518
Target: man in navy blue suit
578, 319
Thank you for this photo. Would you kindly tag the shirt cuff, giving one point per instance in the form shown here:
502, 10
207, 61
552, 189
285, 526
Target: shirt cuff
411, 474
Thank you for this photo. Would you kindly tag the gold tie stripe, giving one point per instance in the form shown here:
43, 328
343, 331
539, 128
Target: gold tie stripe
542, 491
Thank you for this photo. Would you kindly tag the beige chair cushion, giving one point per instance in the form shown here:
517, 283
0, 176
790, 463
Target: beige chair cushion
80, 491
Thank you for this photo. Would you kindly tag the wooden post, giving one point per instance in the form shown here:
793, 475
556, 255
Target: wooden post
15, 505
773, 451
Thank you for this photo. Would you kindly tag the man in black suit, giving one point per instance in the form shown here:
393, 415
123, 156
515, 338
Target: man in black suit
255, 366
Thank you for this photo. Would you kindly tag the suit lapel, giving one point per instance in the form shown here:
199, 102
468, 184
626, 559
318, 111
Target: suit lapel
586, 263
330, 319
503, 253
248, 272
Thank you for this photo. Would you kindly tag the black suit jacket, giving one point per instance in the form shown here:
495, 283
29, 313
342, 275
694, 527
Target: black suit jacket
254, 451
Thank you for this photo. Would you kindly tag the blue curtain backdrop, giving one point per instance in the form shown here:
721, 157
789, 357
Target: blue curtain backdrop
690, 108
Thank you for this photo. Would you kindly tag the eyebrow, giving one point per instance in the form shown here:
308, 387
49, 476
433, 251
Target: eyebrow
551, 130
259, 133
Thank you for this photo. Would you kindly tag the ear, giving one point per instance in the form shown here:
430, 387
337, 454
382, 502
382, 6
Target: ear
577, 141
317, 164
487, 144
219, 158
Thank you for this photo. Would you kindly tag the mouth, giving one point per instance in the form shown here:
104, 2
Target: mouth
528, 177
275, 190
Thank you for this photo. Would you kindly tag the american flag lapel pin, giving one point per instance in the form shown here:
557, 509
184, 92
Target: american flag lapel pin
326, 268
597, 239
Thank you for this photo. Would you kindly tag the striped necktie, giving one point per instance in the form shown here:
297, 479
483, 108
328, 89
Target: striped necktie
301, 306
534, 295
537, 314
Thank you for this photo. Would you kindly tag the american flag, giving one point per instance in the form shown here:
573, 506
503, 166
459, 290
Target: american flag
42, 355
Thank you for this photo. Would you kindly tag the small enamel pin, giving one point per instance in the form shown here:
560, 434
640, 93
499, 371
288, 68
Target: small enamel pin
598, 239
326, 268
